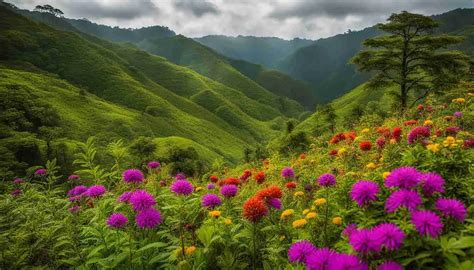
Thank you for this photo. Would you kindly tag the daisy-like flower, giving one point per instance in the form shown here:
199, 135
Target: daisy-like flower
432, 183
182, 187
406, 198
327, 180
427, 223
320, 259
403, 177
452, 208
299, 251
364, 191
389, 236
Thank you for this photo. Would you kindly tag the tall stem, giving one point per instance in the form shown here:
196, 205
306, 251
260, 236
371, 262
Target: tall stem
254, 244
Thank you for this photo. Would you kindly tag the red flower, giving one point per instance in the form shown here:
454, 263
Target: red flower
365, 146
260, 177
337, 138
270, 192
246, 175
254, 209
213, 178
397, 133
468, 143
380, 142
420, 107
303, 156
290, 185
384, 131
350, 135
410, 122
333, 152
230, 181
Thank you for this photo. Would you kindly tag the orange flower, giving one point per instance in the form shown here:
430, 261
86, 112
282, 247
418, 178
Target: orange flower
303, 156
254, 209
290, 185
270, 192
365, 146
214, 178
231, 181
410, 122
260, 177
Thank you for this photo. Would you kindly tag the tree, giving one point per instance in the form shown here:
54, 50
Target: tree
412, 58
329, 115
143, 148
49, 9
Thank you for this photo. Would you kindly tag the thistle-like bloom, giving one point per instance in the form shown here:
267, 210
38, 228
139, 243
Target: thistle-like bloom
364, 191
365, 146
390, 265
211, 186
403, 177
274, 203
73, 177
418, 133
389, 236
213, 178
287, 172
432, 183
319, 260
180, 176
349, 230
153, 164
427, 223
18, 181
74, 209
141, 200
457, 114
148, 218
406, 198
95, 191
125, 197
254, 209
40, 172
117, 220
270, 192
290, 185
364, 241
76, 191
327, 180
17, 192
452, 208
211, 200
132, 176
347, 262
299, 251
182, 187
229, 191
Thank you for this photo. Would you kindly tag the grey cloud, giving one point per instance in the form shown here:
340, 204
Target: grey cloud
124, 10
196, 7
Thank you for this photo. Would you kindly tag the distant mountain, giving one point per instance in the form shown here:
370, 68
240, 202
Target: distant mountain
266, 51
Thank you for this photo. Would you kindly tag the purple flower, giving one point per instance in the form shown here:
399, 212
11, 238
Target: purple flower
75, 198
364, 241
95, 191
132, 176
180, 176
364, 191
73, 177
74, 209
125, 197
16, 192
148, 218
274, 203
431, 183
452, 130
40, 172
427, 223
18, 181
347, 262
153, 164
390, 265
389, 236
349, 230
327, 180
308, 187
141, 200
211, 200
117, 220
403, 177
406, 198
182, 187
229, 191
76, 191
418, 133
287, 172
211, 186
457, 114
319, 259
299, 251
452, 208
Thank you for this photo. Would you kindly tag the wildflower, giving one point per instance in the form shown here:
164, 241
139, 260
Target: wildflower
459, 100
365, 146
211, 186
341, 151
245, 175
319, 259
260, 177
287, 172
231, 181
229, 191
211, 201
270, 192
420, 107
77, 191
347, 262
390, 265
427, 223
40, 172
452, 130
117, 220
227, 221
311, 215
215, 214
213, 178
274, 203
349, 230
16, 193
320, 201
182, 187
299, 223
303, 156
333, 152
364, 191
385, 174
337, 221
380, 142
389, 235
95, 191
153, 164
125, 197
298, 193
433, 147
468, 143
365, 130
428, 123
337, 138
410, 123
371, 166
180, 176
308, 187
73, 177
397, 133
290, 185
148, 218
327, 180
254, 209
407, 198
452, 208
74, 209
403, 177
457, 114
432, 183
418, 133
132, 176
305, 211
141, 200
299, 251
287, 213
364, 241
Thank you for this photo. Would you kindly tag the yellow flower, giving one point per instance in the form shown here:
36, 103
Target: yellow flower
298, 193
433, 147
306, 211
190, 250
337, 221
282, 238
427, 123
313, 208
393, 141
198, 188
341, 151
299, 223
215, 213
320, 201
381, 159
365, 130
371, 165
459, 100
311, 215
286, 213
385, 174
227, 221
470, 94
350, 173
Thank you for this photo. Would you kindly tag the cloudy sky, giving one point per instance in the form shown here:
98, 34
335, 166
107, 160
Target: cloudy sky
281, 18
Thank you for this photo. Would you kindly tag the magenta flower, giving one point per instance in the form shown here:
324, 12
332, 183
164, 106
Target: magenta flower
346, 262
211, 200
76, 191
349, 230
153, 164
432, 183
182, 187
180, 176
18, 181
427, 223
418, 133
229, 191
389, 236
452, 208
406, 198
73, 177
274, 202
403, 177
299, 251
74, 209
364, 241
364, 191
287, 172
132, 176
95, 191
211, 186
327, 180
16, 193
390, 265
40, 172
141, 200
457, 114
148, 218
117, 220
320, 259
125, 197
